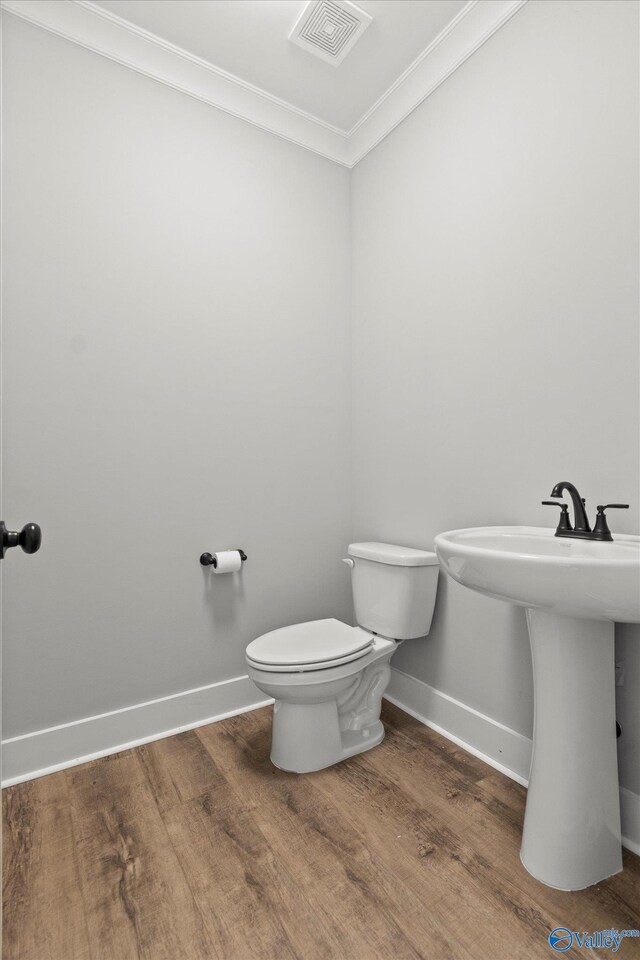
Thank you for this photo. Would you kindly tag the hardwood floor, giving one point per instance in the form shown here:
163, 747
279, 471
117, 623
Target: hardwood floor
196, 847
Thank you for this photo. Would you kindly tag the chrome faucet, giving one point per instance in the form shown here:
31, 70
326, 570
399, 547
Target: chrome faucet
581, 529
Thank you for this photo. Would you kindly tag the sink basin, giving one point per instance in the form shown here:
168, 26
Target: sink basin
573, 591
531, 567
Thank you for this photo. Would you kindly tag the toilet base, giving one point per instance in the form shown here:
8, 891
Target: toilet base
353, 742
310, 736
307, 737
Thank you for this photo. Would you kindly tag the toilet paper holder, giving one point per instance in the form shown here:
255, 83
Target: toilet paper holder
207, 559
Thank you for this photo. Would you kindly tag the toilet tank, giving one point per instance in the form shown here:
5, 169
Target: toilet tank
394, 589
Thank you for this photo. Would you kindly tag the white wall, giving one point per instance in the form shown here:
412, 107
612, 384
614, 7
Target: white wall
176, 314
495, 272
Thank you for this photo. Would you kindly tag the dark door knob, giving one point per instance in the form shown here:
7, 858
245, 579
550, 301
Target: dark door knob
29, 538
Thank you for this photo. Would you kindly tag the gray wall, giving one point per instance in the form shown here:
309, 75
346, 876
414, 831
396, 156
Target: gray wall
495, 272
176, 314
177, 295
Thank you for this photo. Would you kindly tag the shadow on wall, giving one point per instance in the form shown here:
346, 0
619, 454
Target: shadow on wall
476, 643
222, 595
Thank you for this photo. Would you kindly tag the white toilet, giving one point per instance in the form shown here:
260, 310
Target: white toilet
327, 678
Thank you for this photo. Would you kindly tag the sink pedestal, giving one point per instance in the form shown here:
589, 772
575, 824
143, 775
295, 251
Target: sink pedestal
573, 589
571, 836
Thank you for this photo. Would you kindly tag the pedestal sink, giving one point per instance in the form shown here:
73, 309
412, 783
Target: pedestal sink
573, 591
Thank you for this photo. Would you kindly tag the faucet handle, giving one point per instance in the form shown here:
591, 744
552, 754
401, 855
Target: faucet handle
601, 529
564, 523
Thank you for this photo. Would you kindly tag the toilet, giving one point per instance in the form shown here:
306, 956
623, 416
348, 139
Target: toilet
326, 677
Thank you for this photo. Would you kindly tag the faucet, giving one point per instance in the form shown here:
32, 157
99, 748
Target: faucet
581, 529
580, 519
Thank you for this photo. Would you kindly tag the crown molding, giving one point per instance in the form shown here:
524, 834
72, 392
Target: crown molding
118, 40
108, 35
466, 33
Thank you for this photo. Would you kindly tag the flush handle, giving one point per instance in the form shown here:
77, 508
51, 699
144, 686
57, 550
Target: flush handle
349, 562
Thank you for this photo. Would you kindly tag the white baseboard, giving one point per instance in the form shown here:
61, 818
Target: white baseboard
69, 744
498, 745
630, 816
491, 741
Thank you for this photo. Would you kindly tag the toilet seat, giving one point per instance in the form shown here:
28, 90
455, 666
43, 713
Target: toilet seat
316, 645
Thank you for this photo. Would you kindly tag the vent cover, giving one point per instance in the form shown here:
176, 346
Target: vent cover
329, 29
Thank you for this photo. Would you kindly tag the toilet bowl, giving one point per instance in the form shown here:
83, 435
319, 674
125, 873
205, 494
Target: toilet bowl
325, 710
326, 677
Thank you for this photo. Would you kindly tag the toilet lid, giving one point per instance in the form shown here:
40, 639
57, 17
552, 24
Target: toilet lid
318, 642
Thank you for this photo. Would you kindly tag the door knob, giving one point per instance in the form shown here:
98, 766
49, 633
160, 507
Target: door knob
29, 538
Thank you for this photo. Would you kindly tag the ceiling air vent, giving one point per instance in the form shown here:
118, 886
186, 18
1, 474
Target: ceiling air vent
329, 29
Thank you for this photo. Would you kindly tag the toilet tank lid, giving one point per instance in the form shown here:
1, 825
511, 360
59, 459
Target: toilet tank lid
393, 554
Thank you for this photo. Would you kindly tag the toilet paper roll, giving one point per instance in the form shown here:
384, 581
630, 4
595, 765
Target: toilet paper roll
227, 561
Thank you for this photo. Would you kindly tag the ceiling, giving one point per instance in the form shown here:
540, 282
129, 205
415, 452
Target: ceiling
236, 56
249, 39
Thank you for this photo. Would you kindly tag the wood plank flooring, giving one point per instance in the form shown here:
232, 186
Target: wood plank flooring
197, 848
